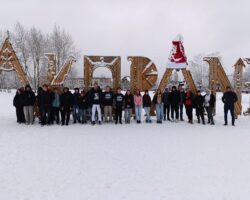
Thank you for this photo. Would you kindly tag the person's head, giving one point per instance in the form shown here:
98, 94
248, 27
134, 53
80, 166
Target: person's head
146, 92
138, 92
19, 91
119, 90
158, 91
208, 92
95, 85
27, 88
22, 89
65, 90
187, 89
166, 89
82, 93
45, 88
180, 88
107, 89
174, 88
128, 92
228, 88
198, 92
76, 90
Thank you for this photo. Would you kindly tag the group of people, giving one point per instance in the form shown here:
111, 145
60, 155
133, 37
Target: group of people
97, 106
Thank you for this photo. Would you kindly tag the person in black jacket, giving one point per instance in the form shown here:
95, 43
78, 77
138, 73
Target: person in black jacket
229, 98
199, 105
66, 105
17, 102
166, 102
76, 102
209, 104
46, 99
95, 98
129, 105
146, 102
83, 107
28, 101
174, 102
108, 98
119, 103
189, 98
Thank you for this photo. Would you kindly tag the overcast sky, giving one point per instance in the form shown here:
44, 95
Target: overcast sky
140, 27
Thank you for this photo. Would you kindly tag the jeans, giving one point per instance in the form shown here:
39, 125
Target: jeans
166, 111
82, 115
159, 111
76, 115
147, 111
231, 109
138, 112
210, 114
29, 114
96, 107
127, 115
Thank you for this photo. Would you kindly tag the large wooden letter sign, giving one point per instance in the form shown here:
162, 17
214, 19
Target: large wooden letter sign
113, 63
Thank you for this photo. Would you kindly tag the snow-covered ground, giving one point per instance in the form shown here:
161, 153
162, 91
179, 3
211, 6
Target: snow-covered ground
173, 161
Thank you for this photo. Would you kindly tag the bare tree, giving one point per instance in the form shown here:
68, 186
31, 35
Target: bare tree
36, 44
62, 45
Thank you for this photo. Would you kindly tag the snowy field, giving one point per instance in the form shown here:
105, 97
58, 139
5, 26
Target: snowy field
169, 161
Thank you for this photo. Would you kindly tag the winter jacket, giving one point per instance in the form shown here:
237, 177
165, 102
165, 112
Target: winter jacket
56, 101
155, 99
174, 98
76, 99
166, 98
146, 100
211, 101
28, 98
46, 99
119, 100
189, 97
108, 98
95, 96
199, 101
129, 101
83, 102
66, 100
17, 101
138, 100
229, 98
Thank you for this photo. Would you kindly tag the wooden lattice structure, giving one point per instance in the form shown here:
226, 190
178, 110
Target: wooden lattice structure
218, 75
59, 79
51, 72
187, 76
113, 63
143, 73
9, 62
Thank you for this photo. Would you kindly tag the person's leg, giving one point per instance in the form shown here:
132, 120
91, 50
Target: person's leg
146, 112
198, 115
99, 113
67, 116
110, 108
225, 114
168, 112
172, 112
94, 107
129, 114
105, 113
136, 113
164, 111
157, 108
181, 112
120, 115
177, 112
140, 109
232, 115
63, 116
31, 114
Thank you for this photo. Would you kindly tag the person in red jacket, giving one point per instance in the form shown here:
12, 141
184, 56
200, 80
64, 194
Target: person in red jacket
189, 105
